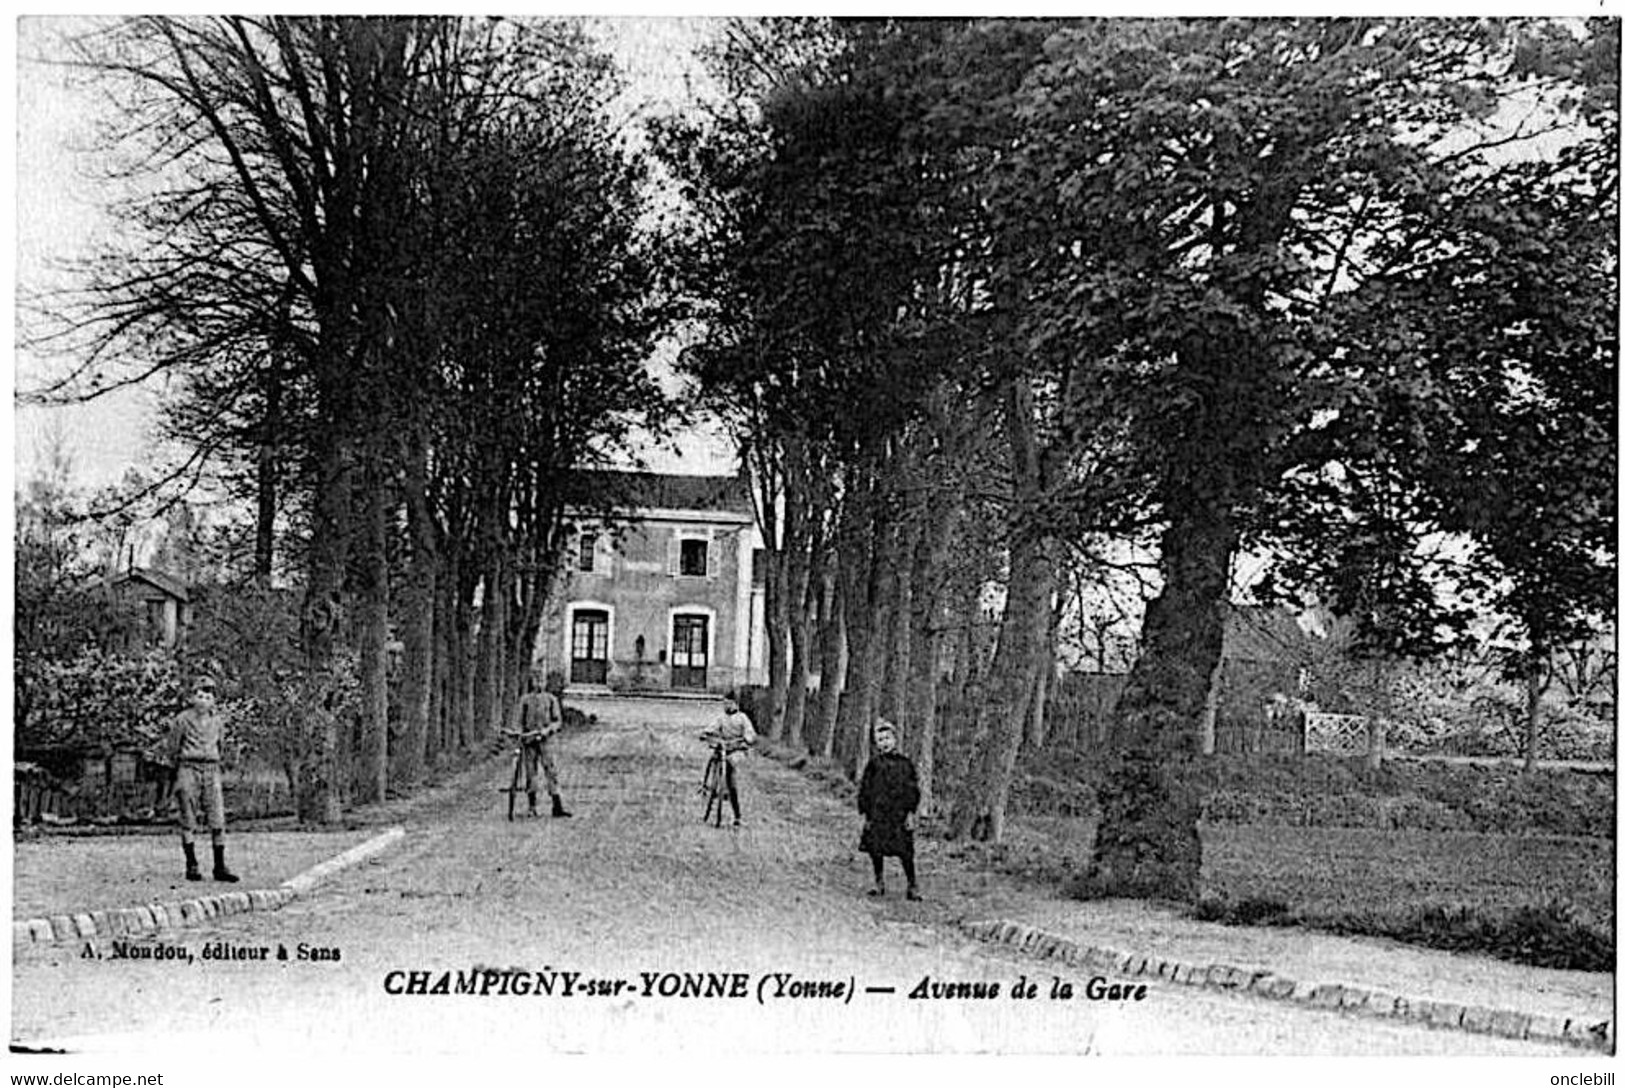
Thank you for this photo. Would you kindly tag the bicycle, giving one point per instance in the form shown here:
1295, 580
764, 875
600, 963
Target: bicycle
714, 784
514, 788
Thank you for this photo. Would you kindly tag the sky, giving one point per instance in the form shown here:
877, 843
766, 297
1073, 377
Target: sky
58, 217
59, 205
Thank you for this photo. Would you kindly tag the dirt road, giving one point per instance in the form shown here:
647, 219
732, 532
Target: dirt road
609, 922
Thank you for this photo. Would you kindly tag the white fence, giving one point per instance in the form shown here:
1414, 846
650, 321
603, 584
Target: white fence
1337, 734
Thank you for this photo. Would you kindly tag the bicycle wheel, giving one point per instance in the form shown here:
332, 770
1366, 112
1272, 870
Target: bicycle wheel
513, 787
705, 786
713, 786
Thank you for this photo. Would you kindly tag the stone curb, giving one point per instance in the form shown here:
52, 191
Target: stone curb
1358, 1000
178, 913
313, 876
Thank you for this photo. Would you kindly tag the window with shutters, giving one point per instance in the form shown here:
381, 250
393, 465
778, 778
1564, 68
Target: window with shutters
589, 549
692, 560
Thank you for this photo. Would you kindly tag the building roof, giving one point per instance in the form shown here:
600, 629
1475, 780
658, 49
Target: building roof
157, 579
668, 491
1263, 634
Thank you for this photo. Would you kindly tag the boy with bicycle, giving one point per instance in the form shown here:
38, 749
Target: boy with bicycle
734, 734
539, 718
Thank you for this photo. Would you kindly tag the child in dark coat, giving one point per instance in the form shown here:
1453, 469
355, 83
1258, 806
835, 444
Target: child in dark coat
888, 794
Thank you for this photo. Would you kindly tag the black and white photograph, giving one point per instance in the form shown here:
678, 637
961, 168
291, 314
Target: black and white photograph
736, 541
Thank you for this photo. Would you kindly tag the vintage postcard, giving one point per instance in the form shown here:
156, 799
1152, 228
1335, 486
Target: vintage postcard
766, 539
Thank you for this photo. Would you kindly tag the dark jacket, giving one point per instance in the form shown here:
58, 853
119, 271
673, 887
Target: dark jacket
888, 791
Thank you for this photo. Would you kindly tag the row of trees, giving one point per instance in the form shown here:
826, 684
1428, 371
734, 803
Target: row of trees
996, 309
995, 303
395, 275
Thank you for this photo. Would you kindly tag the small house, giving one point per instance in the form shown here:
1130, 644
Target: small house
668, 597
162, 601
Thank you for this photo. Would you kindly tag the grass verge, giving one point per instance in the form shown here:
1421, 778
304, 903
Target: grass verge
1548, 934
1542, 900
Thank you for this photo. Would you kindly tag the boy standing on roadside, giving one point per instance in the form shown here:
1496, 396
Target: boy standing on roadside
194, 751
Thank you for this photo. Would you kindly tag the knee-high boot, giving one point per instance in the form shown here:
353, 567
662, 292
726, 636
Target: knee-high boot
221, 873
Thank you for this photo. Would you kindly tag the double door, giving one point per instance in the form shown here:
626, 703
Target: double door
589, 647
690, 650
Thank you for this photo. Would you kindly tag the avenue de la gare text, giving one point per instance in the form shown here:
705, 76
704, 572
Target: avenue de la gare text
735, 985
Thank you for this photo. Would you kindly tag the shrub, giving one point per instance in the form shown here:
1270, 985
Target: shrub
1548, 934
1250, 910
1331, 791
1412, 813
1339, 810
1496, 728
1037, 796
1552, 934
1569, 734
100, 701
1228, 806
1554, 801
250, 635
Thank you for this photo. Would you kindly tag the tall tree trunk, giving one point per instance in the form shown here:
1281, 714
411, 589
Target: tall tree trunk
267, 471
930, 618
1210, 707
417, 626
488, 663
1037, 726
444, 715
533, 599
865, 623
850, 743
802, 521
435, 743
517, 632
462, 676
1147, 843
954, 739
1376, 723
1536, 680
900, 659
833, 657
320, 790
1000, 716
1037, 714
795, 704
777, 617
768, 496
372, 600
982, 799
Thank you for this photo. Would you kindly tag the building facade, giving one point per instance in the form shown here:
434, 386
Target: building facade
668, 598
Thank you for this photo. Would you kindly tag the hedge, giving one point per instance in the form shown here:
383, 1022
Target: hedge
1334, 791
